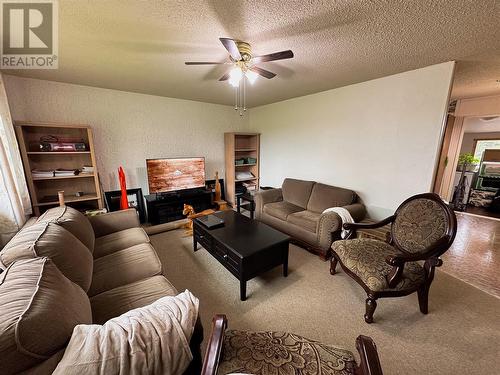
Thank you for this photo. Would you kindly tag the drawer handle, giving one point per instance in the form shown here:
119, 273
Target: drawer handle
225, 256
202, 237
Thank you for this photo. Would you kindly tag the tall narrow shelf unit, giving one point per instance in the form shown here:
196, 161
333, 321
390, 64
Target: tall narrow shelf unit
43, 190
238, 146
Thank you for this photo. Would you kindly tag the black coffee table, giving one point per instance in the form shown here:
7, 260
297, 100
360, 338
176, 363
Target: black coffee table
244, 246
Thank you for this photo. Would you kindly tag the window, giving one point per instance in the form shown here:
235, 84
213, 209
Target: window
484, 144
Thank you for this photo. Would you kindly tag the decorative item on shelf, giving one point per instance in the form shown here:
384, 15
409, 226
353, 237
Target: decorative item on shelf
250, 160
79, 194
210, 185
189, 212
221, 204
217, 187
240, 161
52, 143
123, 188
60, 197
88, 169
135, 199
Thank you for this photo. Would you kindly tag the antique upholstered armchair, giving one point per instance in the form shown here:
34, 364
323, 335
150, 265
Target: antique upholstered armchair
263, 353
422, 229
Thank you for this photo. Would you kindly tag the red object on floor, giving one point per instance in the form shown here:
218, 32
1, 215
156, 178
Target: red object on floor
123, 188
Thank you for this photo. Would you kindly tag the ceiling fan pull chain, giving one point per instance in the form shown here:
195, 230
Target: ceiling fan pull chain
236, 98
244, 94
241, 98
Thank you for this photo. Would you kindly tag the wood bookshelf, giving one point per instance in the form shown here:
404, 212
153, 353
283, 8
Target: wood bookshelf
237, 146
43, 190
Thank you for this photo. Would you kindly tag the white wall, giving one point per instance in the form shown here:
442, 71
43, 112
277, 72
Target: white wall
128, 127
380, 137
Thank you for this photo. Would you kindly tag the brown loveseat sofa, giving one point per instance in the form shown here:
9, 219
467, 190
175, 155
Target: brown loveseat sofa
297, 208
64, 269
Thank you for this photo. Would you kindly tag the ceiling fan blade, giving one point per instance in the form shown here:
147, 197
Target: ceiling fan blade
225, 77
264, 73
288, 54
231, 47
203, 63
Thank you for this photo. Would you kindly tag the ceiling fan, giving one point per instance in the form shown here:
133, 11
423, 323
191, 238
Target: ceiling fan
244, 63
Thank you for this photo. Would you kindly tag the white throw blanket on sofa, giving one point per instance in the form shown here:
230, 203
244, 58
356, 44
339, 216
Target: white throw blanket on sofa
345, 216
153, 339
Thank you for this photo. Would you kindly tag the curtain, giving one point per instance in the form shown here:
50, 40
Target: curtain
15, 204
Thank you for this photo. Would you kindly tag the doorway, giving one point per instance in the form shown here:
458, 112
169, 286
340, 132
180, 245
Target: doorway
468, 175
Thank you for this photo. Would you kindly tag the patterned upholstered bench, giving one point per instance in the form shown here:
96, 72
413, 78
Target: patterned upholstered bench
263, 353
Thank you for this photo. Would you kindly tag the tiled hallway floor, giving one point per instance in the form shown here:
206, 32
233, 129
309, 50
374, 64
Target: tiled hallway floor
475, 254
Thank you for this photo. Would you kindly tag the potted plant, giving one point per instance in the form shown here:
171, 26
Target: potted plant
467, 162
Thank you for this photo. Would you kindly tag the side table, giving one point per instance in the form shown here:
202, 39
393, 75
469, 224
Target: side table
249, 205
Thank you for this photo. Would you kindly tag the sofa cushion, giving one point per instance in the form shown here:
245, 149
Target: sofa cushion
48, 239
117, 301
39, 309
73, 221
326, 196
297, 192
291, 229
263, 353
110, 243
124, 267
281, 210
366, 258
305, 219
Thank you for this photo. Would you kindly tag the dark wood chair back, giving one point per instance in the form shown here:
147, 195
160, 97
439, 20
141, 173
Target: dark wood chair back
423, 226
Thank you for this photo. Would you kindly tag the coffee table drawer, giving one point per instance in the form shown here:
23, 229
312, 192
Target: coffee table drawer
225, 256
203, 239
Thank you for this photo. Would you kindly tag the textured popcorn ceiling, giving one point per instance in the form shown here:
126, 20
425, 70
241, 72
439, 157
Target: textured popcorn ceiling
141, 46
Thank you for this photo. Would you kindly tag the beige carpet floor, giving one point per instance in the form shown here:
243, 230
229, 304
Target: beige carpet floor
460, 335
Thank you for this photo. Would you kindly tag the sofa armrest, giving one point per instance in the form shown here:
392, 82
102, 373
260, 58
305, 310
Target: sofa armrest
329, 222
263, 197
114, 221
214, 346
357, 211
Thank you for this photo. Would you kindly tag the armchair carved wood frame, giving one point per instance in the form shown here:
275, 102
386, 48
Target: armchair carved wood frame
422, 229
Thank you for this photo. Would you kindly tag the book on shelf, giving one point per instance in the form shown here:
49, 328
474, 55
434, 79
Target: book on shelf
60, 172
250, 186
39, 173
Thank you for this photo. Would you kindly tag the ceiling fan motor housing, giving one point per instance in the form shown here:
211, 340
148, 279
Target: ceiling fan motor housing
245, 50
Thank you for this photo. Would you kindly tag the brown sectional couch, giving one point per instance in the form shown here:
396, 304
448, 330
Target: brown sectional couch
65, 269
297, 208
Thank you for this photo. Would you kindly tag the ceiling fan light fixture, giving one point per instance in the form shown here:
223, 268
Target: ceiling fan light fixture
251, 76
235, 76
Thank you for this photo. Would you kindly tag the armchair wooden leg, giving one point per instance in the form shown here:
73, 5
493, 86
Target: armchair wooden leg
371, 305
423, 298
333, 265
